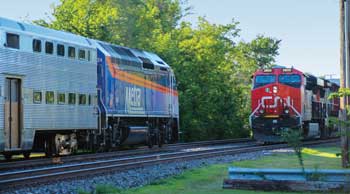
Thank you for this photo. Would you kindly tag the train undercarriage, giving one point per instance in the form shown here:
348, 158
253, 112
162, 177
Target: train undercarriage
117, 132
270, 130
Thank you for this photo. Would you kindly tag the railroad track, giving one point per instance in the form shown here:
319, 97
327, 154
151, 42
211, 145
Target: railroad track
21, 164
63, 172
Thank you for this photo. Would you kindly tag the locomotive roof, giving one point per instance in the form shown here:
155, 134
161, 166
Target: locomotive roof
132, 56
128, 55
47, 32
311, 79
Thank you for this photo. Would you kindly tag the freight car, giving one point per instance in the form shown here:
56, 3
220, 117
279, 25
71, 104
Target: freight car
60, 92
286, 98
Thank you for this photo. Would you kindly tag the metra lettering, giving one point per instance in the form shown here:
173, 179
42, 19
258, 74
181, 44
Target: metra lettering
133, 96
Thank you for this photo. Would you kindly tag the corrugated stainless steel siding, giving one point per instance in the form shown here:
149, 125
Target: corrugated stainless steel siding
50, 73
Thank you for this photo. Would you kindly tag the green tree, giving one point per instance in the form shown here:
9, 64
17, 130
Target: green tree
207, 98
135, 23
89, 18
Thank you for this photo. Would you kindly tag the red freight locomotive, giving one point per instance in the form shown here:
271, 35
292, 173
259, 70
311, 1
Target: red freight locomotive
286, 98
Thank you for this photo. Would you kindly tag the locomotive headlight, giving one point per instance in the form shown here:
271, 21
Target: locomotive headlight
274, 89
261, 111
286, 111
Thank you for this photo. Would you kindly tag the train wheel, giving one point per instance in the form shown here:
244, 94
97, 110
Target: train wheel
26, 154
151, 140
150, 143
50, 146
160, 138
8, 156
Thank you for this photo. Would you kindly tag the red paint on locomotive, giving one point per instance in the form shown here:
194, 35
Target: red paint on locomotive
286, 98
275, 103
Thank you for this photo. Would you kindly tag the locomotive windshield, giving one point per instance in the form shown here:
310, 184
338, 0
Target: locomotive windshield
290, 80
261, 80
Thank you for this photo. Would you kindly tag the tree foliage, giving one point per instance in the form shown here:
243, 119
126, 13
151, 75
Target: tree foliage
212, 70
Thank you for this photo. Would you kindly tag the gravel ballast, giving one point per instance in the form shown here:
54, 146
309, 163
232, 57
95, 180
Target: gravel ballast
140, 176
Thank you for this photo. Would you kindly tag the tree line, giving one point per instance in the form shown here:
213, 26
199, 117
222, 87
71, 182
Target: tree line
212, 68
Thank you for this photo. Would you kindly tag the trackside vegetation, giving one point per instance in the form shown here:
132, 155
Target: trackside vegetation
209, 180
212, 66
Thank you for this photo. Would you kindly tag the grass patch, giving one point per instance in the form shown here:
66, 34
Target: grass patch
208, 180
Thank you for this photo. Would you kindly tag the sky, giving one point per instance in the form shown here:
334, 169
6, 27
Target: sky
309, 29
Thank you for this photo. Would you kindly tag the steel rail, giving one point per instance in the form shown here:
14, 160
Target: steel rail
68, 167
6, 166
37, 176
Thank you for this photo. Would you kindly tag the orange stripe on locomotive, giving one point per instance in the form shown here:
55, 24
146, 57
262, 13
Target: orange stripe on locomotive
136, 80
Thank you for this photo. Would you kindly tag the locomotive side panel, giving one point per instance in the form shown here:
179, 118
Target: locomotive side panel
138, 97
136, 92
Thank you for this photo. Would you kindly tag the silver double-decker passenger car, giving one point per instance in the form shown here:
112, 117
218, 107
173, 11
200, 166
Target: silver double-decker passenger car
47, 82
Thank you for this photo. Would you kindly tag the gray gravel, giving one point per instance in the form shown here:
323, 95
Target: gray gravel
138, 177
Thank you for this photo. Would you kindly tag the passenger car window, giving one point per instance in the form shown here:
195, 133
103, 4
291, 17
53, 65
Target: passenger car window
50, 98
261, 80
82, 54
61, 98
37, 97
90, 99
12, 40
60, 50
48, 47
82, 99
71, 98
94, 102
71, 52
36, 45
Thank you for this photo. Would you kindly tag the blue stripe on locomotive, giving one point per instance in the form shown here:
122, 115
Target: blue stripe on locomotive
123, 98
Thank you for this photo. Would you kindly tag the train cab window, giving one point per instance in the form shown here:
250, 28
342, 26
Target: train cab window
71, 98
36, 45
12, 40
37, 97
261, 80
61, 98
60, 50
48, 47
50, 97
82, 54
71, 52
146, 63
163, 69
293, 80
82, 99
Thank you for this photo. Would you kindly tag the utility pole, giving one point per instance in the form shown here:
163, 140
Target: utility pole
343, 81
